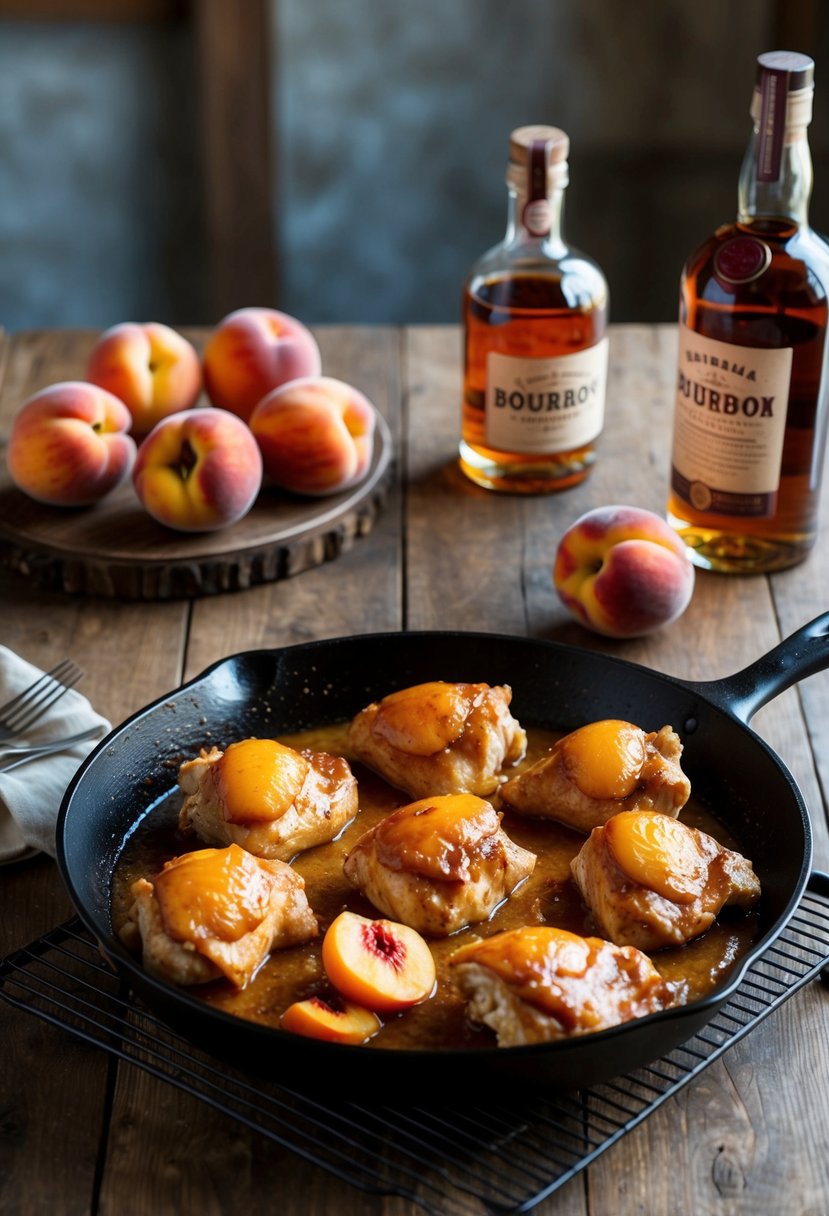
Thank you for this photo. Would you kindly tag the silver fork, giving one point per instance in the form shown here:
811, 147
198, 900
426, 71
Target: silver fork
22, 711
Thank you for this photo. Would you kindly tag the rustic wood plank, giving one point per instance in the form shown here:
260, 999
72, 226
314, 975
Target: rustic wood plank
237, 138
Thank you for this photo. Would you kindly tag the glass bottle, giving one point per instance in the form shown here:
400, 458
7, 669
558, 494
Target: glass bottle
751, 406
535, 337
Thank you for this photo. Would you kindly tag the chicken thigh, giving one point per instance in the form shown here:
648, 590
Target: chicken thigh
599, 770
539, 984
651, 881
438, 864
217, 912
270, 799
440, 738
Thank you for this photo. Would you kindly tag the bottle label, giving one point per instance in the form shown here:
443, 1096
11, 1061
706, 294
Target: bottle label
729, 425
545, 405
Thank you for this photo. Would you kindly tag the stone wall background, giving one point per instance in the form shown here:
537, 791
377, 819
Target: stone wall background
390, 130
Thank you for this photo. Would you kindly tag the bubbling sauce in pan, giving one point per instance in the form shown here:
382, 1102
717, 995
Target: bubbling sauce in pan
548, 896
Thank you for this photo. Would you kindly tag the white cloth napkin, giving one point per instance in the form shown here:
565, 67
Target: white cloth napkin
30, 795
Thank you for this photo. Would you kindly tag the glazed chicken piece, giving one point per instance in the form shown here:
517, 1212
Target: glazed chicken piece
440, 738
651, 881
599, 770
217, 912
270, 799
539, 984
438, 864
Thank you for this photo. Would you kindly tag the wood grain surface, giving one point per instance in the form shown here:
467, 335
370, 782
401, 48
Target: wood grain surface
749, 1136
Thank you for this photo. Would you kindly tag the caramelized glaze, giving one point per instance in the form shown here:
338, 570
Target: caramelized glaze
220, 893
436, 836
425, 718
549, 896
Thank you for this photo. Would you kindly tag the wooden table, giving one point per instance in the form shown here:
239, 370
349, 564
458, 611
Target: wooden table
749, 1136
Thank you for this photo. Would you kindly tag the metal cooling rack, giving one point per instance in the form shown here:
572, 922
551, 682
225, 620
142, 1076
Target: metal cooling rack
465, 1161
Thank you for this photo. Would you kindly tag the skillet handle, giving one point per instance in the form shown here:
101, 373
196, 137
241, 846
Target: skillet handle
802, 654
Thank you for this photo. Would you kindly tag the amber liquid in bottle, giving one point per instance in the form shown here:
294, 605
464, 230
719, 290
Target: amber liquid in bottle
785, 307
526, 316
752, 398
534, 316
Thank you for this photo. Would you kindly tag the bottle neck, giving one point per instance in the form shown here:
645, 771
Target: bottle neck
787, 195
540, 228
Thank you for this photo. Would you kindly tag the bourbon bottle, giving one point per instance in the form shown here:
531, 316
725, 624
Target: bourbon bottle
535, 337
752, 397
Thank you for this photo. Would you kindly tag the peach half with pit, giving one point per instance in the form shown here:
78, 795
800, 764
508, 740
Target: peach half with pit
378, 964
198, 471
69, 444
316, 435
623, 572
153, 369
253, 351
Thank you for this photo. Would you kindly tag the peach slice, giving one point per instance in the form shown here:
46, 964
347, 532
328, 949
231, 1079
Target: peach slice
606, 758
659, 853
334, 1020
423, 719
221, 893
434, 836
379, 964
258, 779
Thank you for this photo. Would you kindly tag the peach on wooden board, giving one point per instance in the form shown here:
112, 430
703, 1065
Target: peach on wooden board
69, 445
335, 1021
379, 964
198, 470
153, 369
316, 435
251, 352
623, 572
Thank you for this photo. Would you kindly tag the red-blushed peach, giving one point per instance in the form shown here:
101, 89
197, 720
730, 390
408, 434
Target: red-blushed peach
251, 352
316, 435
69, 445
622, 571
378, 964
153, 369
198, 470
334, 1020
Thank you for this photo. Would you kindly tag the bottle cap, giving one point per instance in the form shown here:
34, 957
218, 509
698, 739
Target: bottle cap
781, 106
537, 166
798, 70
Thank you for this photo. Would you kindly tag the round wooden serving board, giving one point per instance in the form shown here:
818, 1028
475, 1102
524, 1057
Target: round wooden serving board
116, 549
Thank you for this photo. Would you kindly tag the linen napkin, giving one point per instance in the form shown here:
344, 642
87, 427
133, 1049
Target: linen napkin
30, 795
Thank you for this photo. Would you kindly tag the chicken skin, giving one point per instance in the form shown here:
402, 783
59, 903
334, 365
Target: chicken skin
217, 913
440, 738
438, 864
270, 799
651, 881
539, 984
599, 770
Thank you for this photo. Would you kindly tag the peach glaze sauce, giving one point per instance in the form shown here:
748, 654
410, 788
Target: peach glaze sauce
548, 896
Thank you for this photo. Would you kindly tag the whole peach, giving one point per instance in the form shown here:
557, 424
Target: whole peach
251, 352
622, 571
152, 368
316, 435
198, 470
69, 444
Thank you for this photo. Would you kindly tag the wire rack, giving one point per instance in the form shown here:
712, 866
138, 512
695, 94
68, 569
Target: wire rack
458, 1161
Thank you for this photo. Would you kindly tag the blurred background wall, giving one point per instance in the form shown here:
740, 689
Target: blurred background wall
170, 160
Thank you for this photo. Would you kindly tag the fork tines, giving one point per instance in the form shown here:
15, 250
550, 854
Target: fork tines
23, 710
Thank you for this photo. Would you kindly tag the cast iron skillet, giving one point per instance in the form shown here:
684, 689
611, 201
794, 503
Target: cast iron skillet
554, 686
